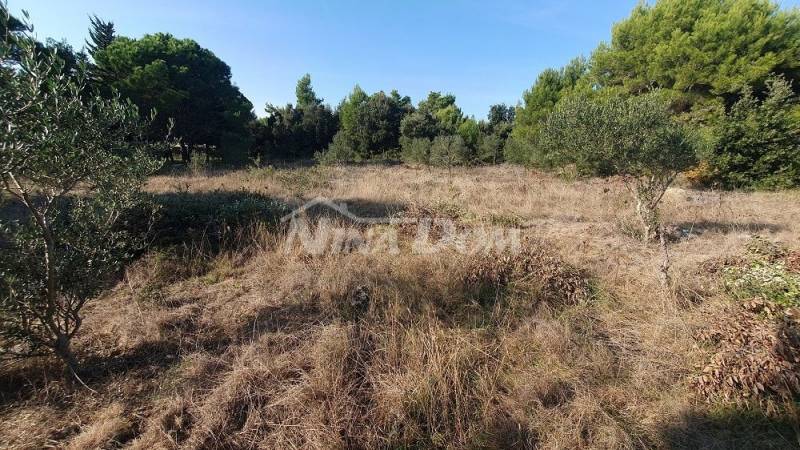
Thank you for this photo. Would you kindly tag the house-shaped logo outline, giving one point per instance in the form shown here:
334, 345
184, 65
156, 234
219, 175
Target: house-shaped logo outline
342, 209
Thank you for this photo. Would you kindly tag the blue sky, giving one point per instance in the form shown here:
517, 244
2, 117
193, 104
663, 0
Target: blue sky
484, 52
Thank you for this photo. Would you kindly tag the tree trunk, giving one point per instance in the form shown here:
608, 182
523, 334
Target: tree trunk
62, 350
648, 216
666, 282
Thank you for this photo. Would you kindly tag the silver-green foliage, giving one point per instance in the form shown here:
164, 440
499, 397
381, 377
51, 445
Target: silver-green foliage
635, 138
449, 151
75, 162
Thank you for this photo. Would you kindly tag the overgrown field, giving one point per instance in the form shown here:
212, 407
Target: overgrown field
222, 336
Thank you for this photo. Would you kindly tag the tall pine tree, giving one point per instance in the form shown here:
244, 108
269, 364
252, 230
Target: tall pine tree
101, 34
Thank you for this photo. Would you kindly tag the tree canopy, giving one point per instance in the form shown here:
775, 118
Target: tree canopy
635, 137
701, 47
296, 131
181, 80
369, 124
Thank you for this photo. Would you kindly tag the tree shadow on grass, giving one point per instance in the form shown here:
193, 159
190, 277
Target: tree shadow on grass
732, 428
187, 217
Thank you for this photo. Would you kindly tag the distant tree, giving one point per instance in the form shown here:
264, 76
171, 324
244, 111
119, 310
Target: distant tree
437, 115
636, 138
538, 102
101, 35
501, 115
499, 127
420, 124
369, 124
306, 97
448, 151
180, 80
470, 132
490, 149
758, 141
436, 101
295, 132
76, 162
541, 98
416, 150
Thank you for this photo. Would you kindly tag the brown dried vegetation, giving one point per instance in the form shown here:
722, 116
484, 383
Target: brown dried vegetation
568, 344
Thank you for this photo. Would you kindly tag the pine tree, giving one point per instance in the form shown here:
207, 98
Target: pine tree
101, 34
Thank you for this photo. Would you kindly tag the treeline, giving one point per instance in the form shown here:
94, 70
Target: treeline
380, 126
728, 69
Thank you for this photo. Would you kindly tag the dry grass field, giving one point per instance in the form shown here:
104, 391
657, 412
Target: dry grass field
220, 337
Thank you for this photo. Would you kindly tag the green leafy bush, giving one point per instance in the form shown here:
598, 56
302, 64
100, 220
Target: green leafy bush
188, 216
518, 151
490, 149
635, 138
758, 141
764, 280
449, 151
416, 150
765, 275
341, 150
75, 162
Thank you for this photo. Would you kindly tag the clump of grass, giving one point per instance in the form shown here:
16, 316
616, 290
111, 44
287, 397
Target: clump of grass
298, 180
110, 428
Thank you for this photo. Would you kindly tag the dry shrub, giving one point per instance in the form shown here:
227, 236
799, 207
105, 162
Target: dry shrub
755, 359
557, 283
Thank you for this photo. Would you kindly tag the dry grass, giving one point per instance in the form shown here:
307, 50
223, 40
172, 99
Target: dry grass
570, 344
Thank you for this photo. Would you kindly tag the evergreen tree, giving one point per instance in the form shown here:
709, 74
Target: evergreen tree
101, 35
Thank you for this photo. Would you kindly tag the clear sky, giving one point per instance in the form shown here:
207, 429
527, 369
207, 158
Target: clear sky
482, 51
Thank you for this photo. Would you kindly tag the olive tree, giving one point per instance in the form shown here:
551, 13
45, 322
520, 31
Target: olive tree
448, 151
74, 163
635, 138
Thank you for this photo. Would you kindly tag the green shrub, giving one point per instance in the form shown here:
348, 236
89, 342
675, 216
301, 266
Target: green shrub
415, 150
449, 151
758, 141
764, 280
765, 275
490, 149
341, 150
76, 162
188, 216
518, 151
636, 138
